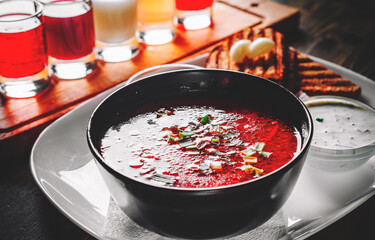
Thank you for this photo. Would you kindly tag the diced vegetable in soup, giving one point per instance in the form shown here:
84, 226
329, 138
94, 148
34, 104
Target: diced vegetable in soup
199, 147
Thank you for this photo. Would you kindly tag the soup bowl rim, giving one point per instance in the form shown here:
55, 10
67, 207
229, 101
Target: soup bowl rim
301, 151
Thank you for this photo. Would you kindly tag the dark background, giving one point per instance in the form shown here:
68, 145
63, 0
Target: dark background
342, 32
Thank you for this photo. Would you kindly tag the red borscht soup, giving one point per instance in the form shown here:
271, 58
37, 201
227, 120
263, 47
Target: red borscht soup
194, 146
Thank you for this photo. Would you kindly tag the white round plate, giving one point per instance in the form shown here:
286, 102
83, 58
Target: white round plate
62, 166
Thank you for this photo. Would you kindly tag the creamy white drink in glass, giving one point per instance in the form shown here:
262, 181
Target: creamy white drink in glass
115, 24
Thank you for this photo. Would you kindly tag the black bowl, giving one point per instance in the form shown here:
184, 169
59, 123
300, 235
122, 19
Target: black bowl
204, 212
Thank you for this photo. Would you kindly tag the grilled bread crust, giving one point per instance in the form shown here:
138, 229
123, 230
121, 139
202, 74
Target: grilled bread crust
316, 79
283, 65
270, 65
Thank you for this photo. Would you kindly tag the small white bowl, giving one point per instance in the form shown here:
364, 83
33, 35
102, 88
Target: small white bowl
333, 157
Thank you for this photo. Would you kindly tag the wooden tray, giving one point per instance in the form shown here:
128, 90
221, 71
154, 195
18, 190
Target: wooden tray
21, 120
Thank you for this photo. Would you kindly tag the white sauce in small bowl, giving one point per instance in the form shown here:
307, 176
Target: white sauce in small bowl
344, 133
342, 125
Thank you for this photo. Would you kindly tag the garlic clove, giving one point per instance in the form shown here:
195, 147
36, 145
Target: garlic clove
239, 50
260, 46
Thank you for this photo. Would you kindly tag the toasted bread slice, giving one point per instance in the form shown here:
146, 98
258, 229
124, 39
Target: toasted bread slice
278, 65
283, 65
270, 65
316, 79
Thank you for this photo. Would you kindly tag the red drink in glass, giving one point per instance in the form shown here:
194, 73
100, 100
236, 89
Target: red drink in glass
193, 5
23, 50
194, 14
70, 38
70, 31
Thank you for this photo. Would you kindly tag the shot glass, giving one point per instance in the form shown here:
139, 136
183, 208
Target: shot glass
70, 38
194, 14
157, 21
23, 53
115, 24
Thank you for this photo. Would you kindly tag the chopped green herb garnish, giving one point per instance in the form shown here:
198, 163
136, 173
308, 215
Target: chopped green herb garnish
185, 134
167, 179
215, 140
249, 159
185, 142
216, 165
205, 168
266, 154
218, 153
258, 146
175, 129
319, 119
248, 152
230, 134
192, 147
206, 119
250, 170
235, 142
193, 153
171, 139
227, 160
202, 144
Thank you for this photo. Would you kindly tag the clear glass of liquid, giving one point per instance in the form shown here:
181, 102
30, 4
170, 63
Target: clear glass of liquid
157, 21
23, 52
115, 24
70, 38
194, 14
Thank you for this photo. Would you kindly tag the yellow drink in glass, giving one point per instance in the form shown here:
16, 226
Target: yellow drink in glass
156, 21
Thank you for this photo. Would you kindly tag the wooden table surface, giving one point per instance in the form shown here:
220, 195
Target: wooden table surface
342, 32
